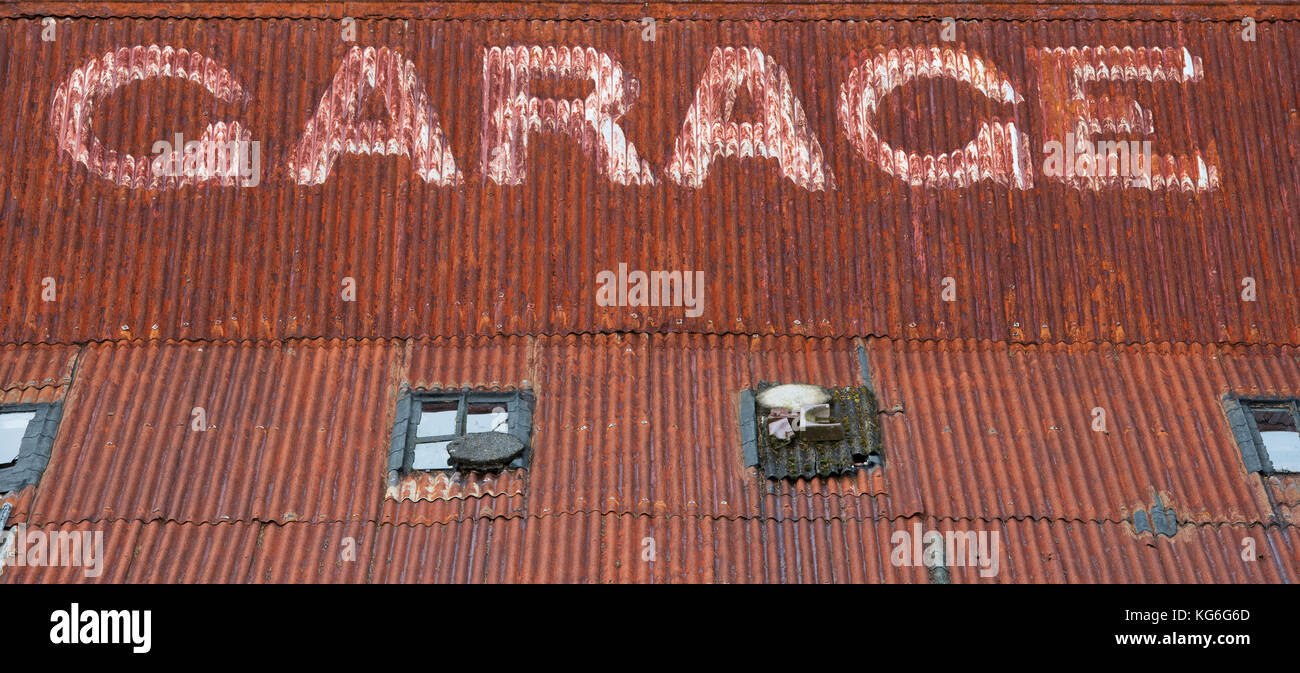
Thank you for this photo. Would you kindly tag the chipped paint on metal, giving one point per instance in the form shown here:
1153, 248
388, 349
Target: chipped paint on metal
511, 113
999, 151
411, 130
75, 99
781, 133
443, 486
1070, 111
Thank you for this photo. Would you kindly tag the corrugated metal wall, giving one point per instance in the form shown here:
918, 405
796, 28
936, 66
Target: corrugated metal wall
229, 300
592, 548
293, 458
868, 258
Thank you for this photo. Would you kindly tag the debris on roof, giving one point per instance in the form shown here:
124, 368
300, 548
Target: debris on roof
806, 454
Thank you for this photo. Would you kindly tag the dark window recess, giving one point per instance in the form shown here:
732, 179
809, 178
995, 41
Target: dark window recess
789, 442
1267, 431
26, 439
461, 431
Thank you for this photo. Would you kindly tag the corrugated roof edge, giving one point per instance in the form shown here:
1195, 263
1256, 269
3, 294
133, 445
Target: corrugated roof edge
612, 549
774, 517
769, 11
882, 336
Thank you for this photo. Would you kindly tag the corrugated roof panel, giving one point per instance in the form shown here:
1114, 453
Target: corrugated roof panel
1091, 552
136, 552
561, 548
480, 363
293, 431
26, 367
869, 257
592, 548
68, 553
965, 433
994, 431
675, 550
455, 509
299, 430
300, 552
174, 553
32, 374
1268, 371
661, 434
656, 434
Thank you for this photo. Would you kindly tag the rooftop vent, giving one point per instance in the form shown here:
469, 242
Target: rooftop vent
793, 395
800, 430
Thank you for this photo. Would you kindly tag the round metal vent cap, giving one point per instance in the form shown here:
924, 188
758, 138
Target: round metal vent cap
793, 396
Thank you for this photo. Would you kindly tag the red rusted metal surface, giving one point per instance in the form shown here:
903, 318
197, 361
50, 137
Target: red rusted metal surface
751, 150
469, 170
996, 431
610, 548
298, 435
781, 10
298, 431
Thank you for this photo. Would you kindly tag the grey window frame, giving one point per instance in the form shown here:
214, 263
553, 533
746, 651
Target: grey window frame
1245, 431
37, 444
518, 404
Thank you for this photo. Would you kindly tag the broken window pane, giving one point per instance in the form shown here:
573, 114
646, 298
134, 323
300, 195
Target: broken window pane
1281, 439
440, 419
487, 418
12, 428
431, 456
437, 419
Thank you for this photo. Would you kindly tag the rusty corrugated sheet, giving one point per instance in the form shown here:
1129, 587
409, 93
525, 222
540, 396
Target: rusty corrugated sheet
33, 374
475, 266
869, 257
138, 551
997, 431
752, 550
299, 430
1093, 552
590, 548
133, 458
291, 432
636, 9
1268, 371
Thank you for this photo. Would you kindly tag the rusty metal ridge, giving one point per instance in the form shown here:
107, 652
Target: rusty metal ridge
658, 332
663, 516
1180, 10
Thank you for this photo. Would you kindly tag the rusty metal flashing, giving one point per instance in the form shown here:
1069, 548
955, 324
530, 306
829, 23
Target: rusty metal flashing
689, 9
748, 429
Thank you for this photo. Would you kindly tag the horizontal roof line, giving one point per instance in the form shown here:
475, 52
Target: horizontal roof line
708, 9
616, 332
462, 518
